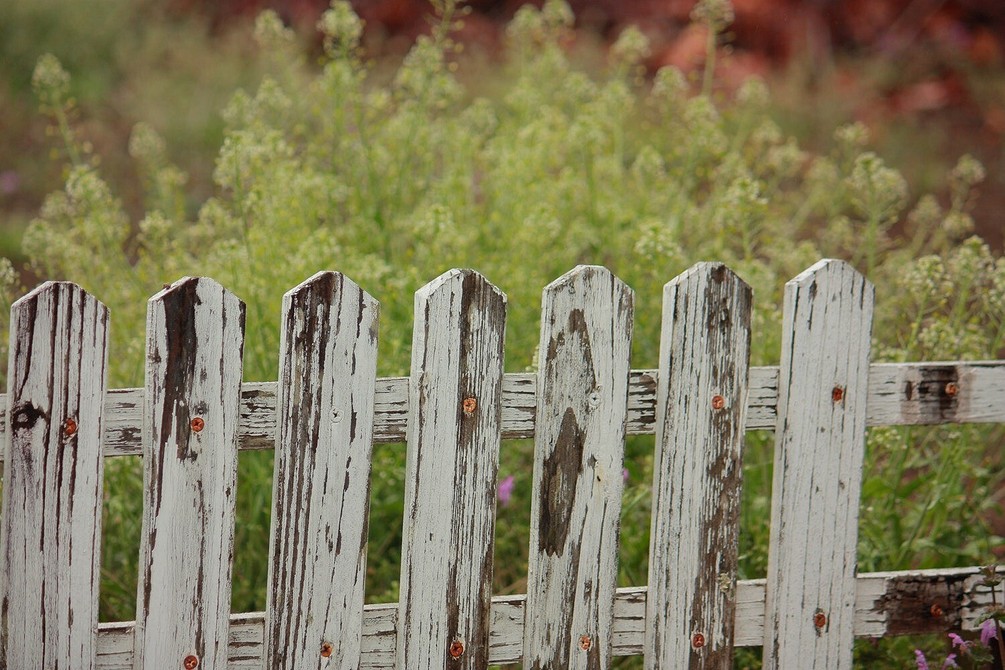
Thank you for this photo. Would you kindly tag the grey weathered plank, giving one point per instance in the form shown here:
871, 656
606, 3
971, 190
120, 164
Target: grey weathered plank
317, 563
50, 541
586, 336
820, 443
886, 604
195, 341
450, 473
702, 400
900, 394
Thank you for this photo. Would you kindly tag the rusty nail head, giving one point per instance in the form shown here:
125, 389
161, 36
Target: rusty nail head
585, 642
837, 395
469, 405
326, 649
952, 389
936, 611
718, 402
697, 640
191, 661
69, 427
819, 619
456, 649
198, 424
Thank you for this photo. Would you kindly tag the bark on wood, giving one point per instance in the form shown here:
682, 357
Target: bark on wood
52, 482
195, 341
586, 332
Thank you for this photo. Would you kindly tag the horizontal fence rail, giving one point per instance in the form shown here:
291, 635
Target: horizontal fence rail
452, 413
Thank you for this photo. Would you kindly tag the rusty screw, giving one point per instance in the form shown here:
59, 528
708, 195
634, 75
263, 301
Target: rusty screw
837, 395
697, 640
326, 649
936, 611
456, 649
819, 619
191, 662
469, 405
69, 427
952, 389
718, 402
585, 642
198, 424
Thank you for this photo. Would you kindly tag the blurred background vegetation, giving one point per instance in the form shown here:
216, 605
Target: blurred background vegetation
208, 138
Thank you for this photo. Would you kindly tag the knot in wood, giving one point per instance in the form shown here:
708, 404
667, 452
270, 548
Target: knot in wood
952, 389
697, 640
718, 402
191, 661
456, 649
198, 424
837, 394
326, 649
469, 405
819, 619
69, 427
585, 642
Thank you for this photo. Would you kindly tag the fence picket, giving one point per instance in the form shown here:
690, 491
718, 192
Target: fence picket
195, 342
700, 415
317, 565
450, 473
586, 333
52, 483
820, 443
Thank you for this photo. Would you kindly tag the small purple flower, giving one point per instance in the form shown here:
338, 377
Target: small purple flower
989, 631
505, 490
624, 475
950, 662
960, 642
920, 659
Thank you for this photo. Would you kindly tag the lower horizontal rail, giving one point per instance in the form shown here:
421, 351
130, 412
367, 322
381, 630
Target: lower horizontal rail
886, 604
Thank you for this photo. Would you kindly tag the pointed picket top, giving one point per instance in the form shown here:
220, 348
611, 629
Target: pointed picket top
324, 439
819, 449
585, 348
455, 399
195, 343
700, 412
50, 542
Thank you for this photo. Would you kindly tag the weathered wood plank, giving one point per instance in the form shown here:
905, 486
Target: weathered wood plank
882, 602
694, 543
50, 541
819, 447
195, 342
317, 562
980, 398
586, 336
450, 473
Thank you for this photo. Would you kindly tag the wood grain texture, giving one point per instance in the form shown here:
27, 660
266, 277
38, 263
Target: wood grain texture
450, 473
586, 336
195, 342
820, 443
900, 394
317, 565
52, 480
882, 601
701, 403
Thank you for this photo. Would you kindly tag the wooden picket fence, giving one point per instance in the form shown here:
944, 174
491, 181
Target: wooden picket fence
328, 408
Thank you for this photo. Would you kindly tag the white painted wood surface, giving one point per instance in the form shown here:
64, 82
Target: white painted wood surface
979, 398
701, 403
586, 335
885, 603
317, 563
52, 480
450, 473
820, 443
195, 341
